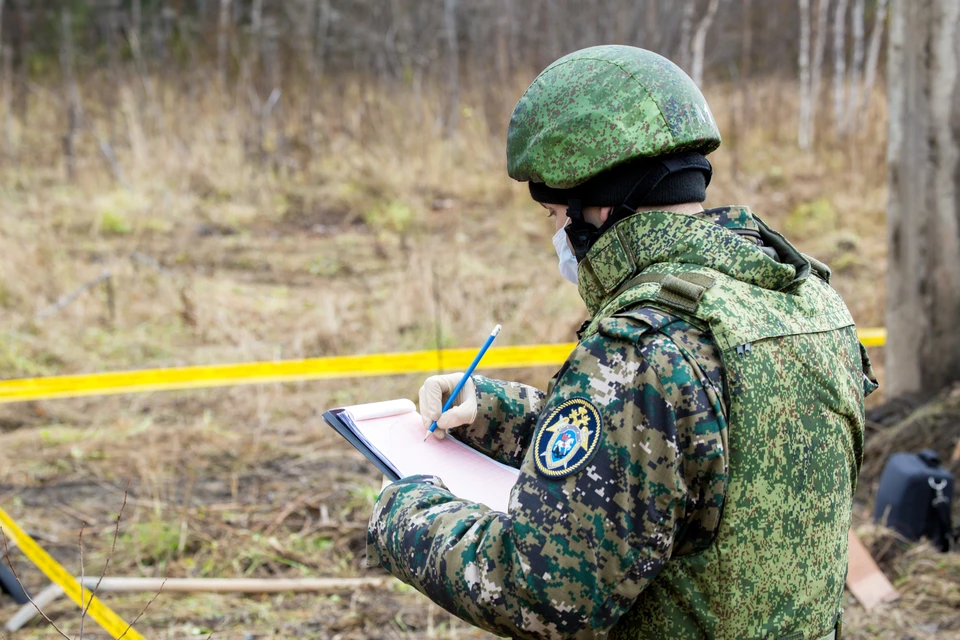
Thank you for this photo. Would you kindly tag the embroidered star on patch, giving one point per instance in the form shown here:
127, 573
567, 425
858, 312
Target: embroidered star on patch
568, 438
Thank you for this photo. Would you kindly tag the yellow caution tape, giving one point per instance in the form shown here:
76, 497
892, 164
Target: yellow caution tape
101, 613
221, 375
873, 337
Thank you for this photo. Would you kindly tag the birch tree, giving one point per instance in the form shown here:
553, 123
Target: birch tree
803, 134
686, 31
873, 56
700, 40
135, 20
839, 65
746, 55
810, 73
923, 214
71, 95
651, 30
453, 74
222, 23
816, 72
6, 64
856, 65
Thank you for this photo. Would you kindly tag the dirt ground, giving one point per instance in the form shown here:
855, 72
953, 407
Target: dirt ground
215, 260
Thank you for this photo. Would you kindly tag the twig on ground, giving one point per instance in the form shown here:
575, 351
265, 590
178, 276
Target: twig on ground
142, 611
113, 547
77, 515
83, 602
6, 554
63, 301
144, 259
296, 503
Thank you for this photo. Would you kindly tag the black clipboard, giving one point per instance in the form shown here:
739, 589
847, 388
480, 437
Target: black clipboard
343, 425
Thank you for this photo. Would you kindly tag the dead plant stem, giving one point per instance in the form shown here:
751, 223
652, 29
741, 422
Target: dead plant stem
113, 548
142, 611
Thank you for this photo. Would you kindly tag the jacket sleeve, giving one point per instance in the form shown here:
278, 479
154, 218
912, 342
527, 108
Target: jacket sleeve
574, 552
506, 416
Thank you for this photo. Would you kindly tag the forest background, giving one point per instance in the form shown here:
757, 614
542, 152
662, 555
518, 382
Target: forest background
225, 180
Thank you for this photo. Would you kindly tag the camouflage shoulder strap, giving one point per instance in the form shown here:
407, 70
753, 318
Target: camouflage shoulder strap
677, 291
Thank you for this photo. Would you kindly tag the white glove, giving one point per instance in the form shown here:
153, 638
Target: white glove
435, 390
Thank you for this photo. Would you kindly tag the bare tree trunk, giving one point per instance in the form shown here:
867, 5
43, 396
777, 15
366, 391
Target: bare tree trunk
111, 99
222, 25
551, 31
856, 66
652, 28
686, 32
315, 39
6, 59
873, 56
700, 41
453, 74
8, 148
504, 52
135, 19
923, 275
268, 119
22, 33
323, 34
816, 72
806, 99
742, 107
839, 66
256, 30
161, 31
746, 56
249, 67
71, 95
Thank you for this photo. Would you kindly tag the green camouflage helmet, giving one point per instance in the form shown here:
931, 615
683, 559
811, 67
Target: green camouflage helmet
599, 107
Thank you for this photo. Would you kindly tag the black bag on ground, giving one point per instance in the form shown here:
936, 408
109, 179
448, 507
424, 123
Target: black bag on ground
10, 585
915, 496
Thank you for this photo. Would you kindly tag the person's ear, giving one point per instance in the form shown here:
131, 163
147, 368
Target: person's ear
604, 214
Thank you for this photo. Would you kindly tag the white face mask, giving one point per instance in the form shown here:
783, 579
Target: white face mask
568, 261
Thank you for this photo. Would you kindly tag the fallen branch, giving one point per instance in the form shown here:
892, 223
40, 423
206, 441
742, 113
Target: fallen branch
70, 297
113, 549
142, 611
144, 259
196, 585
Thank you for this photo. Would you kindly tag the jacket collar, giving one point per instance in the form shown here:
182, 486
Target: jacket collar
720, 239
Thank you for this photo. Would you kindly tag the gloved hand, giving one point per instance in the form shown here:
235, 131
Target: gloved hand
434, 392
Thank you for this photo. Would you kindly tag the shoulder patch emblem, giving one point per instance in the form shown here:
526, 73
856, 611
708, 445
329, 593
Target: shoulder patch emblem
568, 438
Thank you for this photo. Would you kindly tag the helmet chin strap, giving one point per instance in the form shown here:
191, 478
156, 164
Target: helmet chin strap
583, 235
579, 231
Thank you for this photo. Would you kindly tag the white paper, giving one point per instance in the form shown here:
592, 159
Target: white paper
382, 409
398, 437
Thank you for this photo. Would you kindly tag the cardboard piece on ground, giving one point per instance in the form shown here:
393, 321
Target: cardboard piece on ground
865, 579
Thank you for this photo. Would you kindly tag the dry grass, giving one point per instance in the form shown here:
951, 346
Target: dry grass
929, 585
327, 241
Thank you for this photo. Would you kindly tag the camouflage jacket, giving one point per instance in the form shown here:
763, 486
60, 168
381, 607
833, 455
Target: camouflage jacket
586, 531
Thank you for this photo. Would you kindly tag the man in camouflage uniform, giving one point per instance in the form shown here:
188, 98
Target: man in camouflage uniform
690, 471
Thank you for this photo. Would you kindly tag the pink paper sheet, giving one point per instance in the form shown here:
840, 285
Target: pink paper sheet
468, 474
